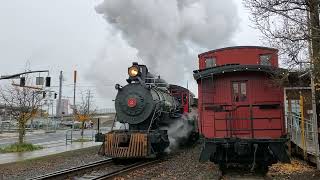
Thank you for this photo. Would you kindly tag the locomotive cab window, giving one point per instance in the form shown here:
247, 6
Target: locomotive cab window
265, 59
210, 62
184, 99
239, 91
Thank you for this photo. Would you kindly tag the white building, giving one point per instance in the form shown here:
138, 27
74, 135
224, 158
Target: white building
64, 108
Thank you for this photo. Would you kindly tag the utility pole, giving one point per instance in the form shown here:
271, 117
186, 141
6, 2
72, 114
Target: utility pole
58, 112
74, 97
74, 91
89, 94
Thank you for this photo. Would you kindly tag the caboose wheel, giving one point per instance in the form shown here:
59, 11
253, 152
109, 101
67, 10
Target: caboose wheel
222, 167
262, 169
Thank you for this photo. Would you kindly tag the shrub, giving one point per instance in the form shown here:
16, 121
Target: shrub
16, 147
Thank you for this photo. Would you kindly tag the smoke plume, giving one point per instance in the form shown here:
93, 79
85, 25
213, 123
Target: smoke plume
168, 35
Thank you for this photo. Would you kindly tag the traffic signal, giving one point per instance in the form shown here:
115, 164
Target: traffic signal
48, 81
55, 95
22, 81
44, 94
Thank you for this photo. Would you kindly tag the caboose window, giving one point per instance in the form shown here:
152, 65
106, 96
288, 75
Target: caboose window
265, 59
210, 62
235, 90
243, 91
239, 91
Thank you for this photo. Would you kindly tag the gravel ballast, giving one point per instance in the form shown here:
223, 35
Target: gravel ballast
180, 165
186, 166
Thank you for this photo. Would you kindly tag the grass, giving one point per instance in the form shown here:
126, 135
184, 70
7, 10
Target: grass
16, 147
82, 140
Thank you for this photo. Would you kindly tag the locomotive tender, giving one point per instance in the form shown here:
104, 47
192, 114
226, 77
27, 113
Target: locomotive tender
240, 107
147, 106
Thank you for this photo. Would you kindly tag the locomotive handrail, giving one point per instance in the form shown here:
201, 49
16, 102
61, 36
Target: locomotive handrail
153, 82
152, 119
114, 120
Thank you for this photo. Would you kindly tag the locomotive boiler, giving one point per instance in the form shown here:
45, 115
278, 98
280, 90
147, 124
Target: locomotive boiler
146, 106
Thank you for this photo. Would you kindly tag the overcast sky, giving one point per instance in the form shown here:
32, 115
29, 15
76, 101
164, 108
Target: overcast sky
70, 34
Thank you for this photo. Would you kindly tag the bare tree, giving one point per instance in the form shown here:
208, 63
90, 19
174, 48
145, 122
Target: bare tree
292, 26
22, 103
85, 110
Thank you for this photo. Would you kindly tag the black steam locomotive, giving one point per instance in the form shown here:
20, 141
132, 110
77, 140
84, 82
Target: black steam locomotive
147, 107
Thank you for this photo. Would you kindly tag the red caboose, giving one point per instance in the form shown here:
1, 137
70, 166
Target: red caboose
240, 107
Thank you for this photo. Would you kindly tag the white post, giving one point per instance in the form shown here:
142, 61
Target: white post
314, 121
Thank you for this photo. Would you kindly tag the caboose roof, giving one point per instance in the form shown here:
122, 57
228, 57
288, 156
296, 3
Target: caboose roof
230, 68
237, 47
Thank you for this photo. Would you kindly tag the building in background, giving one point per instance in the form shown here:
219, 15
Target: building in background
64, 108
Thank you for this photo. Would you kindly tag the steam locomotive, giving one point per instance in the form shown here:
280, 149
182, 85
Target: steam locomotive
148, 107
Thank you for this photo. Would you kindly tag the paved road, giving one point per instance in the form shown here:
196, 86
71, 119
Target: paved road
45, 139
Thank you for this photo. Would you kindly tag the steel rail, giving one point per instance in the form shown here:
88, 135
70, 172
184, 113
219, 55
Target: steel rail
126, 169
72, 170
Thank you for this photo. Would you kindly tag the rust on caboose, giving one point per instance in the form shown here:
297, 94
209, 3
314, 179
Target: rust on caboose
126, 145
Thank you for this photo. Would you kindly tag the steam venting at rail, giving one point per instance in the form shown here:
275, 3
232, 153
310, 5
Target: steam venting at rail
180, 131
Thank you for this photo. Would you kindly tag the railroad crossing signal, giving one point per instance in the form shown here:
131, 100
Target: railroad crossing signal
48, 81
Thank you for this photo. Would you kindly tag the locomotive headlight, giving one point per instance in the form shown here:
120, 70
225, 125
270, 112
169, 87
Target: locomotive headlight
133, 71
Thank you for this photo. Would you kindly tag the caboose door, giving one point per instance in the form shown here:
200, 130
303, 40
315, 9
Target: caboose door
239, 117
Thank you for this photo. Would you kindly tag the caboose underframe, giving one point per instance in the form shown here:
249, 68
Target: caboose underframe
251, 152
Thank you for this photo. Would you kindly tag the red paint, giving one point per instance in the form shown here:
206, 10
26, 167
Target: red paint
249, 116
239, 55
184, 96
132, 102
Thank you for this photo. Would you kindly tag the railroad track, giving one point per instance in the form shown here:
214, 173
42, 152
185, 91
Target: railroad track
74, 171
126, 169
65, 172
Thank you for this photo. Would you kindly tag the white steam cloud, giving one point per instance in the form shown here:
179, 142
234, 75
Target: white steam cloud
168, 34
179, 131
